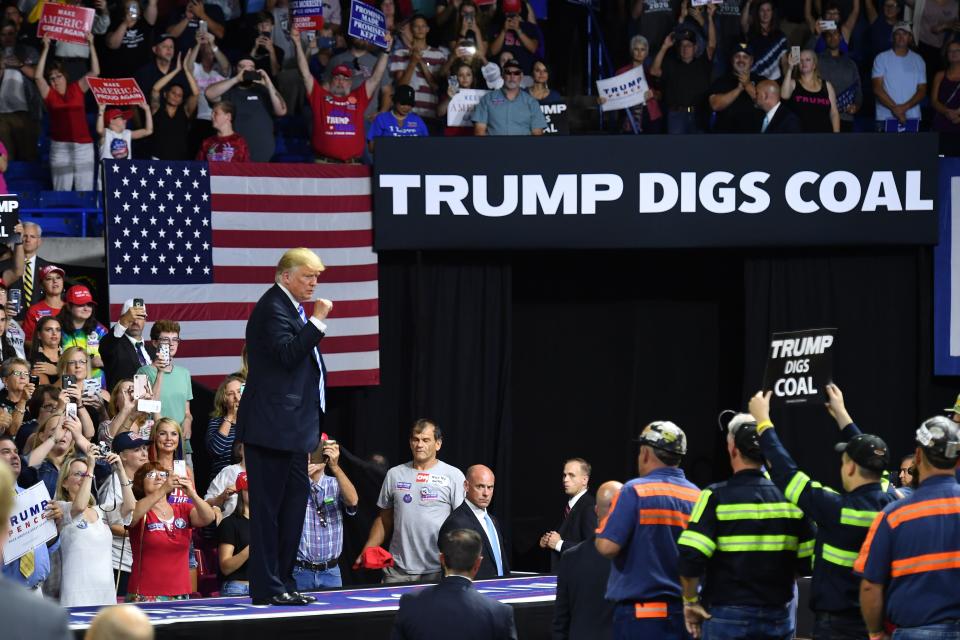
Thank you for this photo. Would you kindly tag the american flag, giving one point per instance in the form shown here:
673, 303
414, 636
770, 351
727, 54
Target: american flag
200, 242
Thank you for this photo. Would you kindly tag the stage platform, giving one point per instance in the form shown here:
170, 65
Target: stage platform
349, 613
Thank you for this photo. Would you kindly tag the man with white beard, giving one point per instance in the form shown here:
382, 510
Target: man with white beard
509, 111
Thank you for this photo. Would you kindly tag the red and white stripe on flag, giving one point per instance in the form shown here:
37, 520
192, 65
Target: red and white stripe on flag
259, 210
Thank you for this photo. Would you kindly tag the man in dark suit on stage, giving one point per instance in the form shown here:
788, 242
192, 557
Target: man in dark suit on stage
473, 514
23, 614
122, 349
579, 517
453, 608
279, 421
581, 612
778, 118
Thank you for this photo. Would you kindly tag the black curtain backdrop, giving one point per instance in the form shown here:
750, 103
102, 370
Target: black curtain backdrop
526, 359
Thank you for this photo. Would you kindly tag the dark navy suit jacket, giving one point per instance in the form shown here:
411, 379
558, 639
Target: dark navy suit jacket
280, 407
463, 518
452, 609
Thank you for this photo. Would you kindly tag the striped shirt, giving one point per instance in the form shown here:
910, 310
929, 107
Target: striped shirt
219, 446
424, 96
319, 543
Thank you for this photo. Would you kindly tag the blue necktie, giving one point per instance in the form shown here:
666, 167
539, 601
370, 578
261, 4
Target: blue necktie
316, 355
494, 542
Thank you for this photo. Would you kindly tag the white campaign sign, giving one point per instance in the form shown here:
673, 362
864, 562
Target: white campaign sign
28, 527
460, 109
624, 90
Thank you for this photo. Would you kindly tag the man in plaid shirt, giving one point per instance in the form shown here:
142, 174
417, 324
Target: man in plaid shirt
322, 540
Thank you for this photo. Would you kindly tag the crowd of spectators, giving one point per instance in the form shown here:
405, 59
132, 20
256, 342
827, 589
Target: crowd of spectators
223, 85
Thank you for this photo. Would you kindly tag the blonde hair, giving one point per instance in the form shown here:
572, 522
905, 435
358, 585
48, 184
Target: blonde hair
65, 357
299, 257
35, 438
61, 493
153, 451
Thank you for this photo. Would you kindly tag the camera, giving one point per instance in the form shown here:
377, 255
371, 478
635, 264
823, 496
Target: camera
138, 302
67, 380
103, 448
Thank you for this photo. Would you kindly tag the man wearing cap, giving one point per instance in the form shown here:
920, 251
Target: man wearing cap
399, 122
732, 97
122, 349
338, 125
163, 49
133, 455
842, 518
321, 542
51, 277
420, 66
899, 81
745, 544
910, 562
255, 102
685, 77
838, 69
509, 111
643, 524
361, 62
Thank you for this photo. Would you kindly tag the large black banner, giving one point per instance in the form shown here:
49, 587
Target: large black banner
655, 191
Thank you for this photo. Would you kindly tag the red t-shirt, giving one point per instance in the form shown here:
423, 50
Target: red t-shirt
68, 120
232, 148
160, 561
338, 122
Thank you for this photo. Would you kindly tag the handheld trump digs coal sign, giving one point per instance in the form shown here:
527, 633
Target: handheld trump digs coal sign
9, 214
799, 366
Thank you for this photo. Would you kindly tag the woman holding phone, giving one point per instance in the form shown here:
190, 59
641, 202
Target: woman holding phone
161, 532
16, 393
72, 378
85, 538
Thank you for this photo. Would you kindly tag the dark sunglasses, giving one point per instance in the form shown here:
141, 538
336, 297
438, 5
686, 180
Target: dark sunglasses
513, 73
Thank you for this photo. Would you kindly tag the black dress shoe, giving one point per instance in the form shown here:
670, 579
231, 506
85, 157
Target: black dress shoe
310, 599
283, 600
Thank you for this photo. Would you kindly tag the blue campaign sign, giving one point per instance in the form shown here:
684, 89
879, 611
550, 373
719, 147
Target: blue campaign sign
367, 23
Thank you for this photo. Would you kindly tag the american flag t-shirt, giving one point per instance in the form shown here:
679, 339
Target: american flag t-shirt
200, 242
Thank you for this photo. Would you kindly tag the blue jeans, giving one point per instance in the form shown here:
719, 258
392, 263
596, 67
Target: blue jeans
309, 580
947, 631
830, 626
748, 623
235, 588
682, 122
626, 625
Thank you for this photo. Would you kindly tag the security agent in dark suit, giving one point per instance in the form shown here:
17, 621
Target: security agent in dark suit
778, 117
24, 615
473, 514
453, 608
579, 519
581, 611
279, 421
123, 349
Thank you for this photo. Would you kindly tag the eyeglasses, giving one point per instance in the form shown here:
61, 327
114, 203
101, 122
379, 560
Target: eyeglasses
513, 73
20, 374
48, 407
76, 363
169, 340
156, 475
78, 474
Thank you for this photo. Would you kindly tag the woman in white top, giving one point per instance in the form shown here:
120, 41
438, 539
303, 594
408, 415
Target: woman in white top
85, 539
